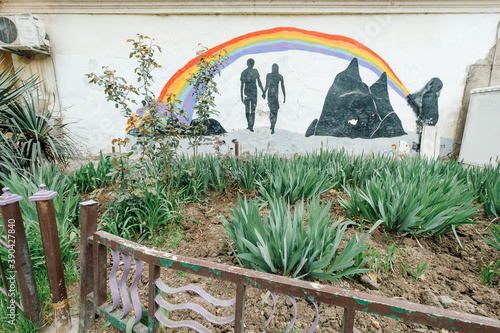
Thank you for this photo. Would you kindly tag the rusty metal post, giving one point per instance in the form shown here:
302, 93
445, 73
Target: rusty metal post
114, 164
19, 254
89, 226
154, 274
236, 147
239, 316
348, 323
100, 274
53, 258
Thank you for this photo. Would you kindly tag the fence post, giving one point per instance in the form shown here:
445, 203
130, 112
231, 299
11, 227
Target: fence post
239, 317
348, 322
53, 258
154, 274
89, 226
18, 244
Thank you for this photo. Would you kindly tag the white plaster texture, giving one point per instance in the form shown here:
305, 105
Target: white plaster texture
416, 47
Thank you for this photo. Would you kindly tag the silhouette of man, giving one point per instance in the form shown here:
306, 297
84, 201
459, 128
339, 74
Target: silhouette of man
273, 82
249, 79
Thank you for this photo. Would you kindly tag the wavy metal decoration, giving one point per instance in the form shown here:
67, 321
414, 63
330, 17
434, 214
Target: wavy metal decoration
194, 288
191, 306
136, 301
181, 323
113, 284
123, 286
122, 291
273, 295
316, 321
294, 316
196, 308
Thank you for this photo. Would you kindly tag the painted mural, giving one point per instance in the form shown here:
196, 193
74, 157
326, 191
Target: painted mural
354, 110
351, 108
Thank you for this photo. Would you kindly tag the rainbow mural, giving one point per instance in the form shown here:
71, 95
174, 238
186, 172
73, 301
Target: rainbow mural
279, 40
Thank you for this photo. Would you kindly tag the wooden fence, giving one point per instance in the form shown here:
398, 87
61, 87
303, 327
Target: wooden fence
19, 265
95, 284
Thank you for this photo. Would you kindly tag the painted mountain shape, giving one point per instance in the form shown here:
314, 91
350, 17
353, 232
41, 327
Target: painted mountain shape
354, 110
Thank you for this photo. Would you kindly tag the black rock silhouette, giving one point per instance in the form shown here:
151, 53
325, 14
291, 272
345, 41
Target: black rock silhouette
353, 110
213, 127
390, 124
349, 110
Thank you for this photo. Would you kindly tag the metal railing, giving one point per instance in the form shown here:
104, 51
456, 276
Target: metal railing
94, 288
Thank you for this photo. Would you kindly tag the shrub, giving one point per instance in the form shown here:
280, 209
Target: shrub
280, 243
142, 203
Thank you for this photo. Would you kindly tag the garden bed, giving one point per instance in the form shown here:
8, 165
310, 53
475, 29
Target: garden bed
451, 279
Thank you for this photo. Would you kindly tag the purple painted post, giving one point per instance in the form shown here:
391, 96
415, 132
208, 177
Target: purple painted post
19, 254
53, 258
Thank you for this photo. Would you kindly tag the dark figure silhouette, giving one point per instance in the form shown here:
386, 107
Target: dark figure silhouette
249, 79
273, 81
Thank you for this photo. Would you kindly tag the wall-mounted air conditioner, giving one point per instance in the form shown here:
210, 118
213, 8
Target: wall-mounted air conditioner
23, 34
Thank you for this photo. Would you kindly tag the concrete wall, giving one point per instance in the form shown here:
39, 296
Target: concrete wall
416, 46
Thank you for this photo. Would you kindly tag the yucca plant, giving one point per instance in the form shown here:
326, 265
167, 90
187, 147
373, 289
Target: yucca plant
280, 242
11, 84
31, 135
423, 204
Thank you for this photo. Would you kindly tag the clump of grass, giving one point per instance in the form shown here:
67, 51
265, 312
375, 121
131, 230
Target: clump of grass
419, 271
489, 272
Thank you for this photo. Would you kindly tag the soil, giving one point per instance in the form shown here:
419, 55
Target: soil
451, 279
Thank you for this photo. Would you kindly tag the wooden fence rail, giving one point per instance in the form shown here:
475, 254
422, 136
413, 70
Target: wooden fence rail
95, 245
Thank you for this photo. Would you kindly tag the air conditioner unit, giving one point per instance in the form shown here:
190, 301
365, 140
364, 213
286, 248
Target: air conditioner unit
23, 34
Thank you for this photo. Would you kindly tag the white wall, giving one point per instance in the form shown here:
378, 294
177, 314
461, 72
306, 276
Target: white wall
417, 47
